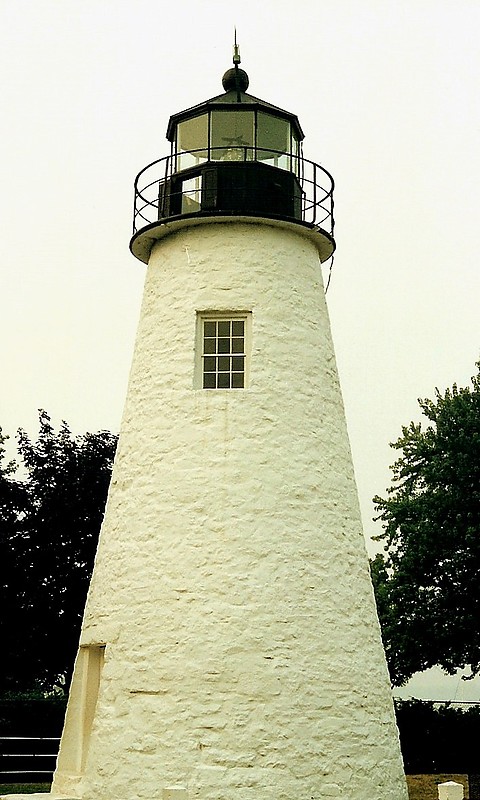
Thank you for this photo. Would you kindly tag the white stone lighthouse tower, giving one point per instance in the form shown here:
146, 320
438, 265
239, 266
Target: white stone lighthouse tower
230, 648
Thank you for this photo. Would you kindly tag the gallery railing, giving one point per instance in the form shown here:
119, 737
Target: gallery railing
255, 181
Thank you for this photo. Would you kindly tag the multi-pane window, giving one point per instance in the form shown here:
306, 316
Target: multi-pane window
223, 353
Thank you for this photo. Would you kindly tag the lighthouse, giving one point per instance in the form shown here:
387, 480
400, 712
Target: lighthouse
230, 648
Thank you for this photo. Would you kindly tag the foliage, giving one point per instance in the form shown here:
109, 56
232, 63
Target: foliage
49, 525
24, 788
427, 582
438, 738
32, 713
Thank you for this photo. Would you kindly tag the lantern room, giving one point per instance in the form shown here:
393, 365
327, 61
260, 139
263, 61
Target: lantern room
233, 155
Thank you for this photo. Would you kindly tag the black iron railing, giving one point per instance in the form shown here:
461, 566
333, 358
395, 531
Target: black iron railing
28, 758
178, 186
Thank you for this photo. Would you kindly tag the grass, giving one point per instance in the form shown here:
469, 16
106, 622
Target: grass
420, 787
425, 787
23, 788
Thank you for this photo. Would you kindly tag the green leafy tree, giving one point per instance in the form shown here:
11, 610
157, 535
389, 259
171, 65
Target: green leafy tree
48, 535
13, 503
438, 738
427, 583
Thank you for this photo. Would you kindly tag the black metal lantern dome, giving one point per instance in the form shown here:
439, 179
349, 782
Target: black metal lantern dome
233, 155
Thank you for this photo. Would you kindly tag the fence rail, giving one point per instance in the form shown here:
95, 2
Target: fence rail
25, 759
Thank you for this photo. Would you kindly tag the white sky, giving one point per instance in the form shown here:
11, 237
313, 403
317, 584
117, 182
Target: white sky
387, 93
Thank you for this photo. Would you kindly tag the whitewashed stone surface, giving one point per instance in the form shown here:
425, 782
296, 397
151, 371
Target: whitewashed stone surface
231, 588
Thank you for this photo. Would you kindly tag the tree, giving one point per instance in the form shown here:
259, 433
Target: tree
13, 501
48, 536
427, 582
438, 738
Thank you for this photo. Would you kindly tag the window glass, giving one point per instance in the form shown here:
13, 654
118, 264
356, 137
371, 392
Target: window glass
209, 364
238, 363
209, 380
237, 344
238, 327
192, 195
232, 135
209, 345
273, 135
223, 381
224, 328
223, 345
295, 155
209, 328
224, 364
238, 380
192, 135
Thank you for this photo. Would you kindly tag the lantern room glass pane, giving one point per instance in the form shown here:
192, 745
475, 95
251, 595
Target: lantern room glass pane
273, 140
192, 137
296, 154
232, 135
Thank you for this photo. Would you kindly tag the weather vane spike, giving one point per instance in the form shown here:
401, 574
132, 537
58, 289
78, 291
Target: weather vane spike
236, 50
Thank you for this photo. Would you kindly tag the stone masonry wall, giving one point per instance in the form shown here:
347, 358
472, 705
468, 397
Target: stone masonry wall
231, 589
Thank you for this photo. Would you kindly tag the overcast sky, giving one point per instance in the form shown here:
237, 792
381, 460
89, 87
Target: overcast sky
387, 94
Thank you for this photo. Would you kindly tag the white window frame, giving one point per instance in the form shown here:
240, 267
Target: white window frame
221, 316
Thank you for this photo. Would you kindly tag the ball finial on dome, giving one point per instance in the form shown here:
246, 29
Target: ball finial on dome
235, 78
